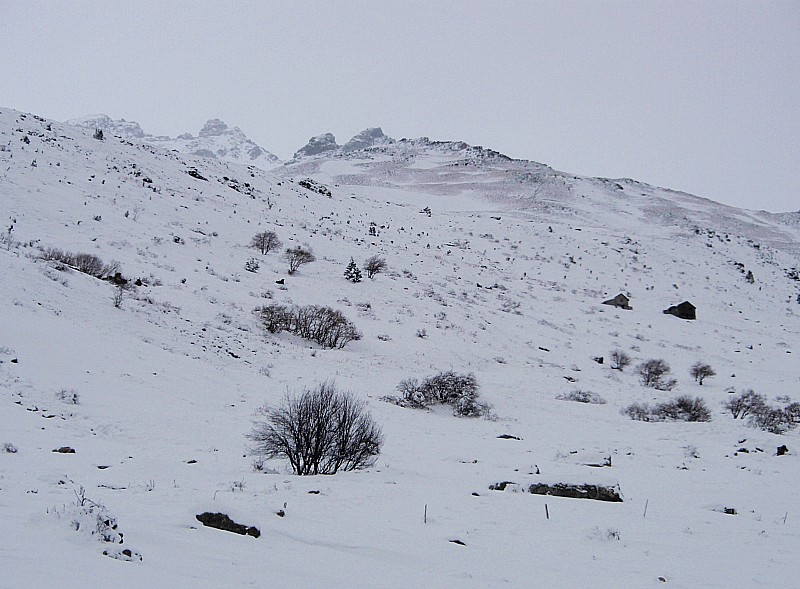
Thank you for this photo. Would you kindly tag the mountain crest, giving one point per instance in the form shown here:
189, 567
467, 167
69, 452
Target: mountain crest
215, 140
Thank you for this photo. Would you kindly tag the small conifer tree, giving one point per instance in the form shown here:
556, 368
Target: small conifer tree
352, 272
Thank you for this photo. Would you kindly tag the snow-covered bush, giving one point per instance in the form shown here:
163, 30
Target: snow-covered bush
251, 265
460, 391
265, 241
321, 431
746, 403
638, 411
582, 397
82, 262
761, 415
323, 325
374, 265
652, 374
68, 396
9, 448
701, 371
619, 359
683, 408
297, 256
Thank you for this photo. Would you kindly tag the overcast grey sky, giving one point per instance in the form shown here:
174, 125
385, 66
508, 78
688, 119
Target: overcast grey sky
697, 96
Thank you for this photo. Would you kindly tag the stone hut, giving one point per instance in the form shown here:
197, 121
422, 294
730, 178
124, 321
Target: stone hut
620, 301
685, 310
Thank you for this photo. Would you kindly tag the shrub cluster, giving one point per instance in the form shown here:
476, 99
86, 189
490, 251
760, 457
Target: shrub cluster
653, 374
321, 431
82, 262
323, 325
683, 408
760, 414
582, 397
460, 391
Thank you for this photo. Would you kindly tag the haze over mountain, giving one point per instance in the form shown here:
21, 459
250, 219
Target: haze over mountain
126, 394
215, 140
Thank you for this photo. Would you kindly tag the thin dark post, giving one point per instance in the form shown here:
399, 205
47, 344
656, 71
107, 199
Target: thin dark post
645, 507
425, 516
546, 511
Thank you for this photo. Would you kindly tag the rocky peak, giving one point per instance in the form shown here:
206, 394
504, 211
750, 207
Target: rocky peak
213, 128
367, 138
122, 128
316, 145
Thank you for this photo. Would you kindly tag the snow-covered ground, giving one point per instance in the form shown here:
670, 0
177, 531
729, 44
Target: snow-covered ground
505, 277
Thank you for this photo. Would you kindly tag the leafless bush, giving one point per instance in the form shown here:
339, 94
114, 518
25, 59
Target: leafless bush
700, 371
652, 373
321, 431
87, 263
638, 411
619, 360
265, 242
683, 408
297, 256
460, 391
582, 397
374, 265
761, 415
746, 403
68, 396
323, 325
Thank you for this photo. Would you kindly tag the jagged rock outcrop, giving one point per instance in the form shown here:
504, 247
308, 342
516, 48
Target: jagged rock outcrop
215, 140
316, 145
367, 138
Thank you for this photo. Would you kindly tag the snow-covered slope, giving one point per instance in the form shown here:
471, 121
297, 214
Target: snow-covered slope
496, 267
215, 140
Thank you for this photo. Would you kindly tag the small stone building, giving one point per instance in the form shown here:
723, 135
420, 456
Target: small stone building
620, 301
685, 310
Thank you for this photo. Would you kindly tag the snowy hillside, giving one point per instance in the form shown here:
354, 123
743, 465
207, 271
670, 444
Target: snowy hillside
496, 267
215, 140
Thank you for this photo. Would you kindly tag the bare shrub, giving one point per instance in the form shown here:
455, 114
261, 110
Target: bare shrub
265, 241
761, 415
297, 256
652, 373
252, 265
87, 263
638, 411
683, 408
320, 431
619, 360
68, 396
374, 265
582, 397
700, 371
770, 419
460, 391
323, 325
746, 403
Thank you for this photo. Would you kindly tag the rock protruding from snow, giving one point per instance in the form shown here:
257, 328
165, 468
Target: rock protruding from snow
367, 138
222, 522
316, 145
215, 140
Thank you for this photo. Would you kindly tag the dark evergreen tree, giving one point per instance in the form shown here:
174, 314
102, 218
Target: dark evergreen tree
352, 273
